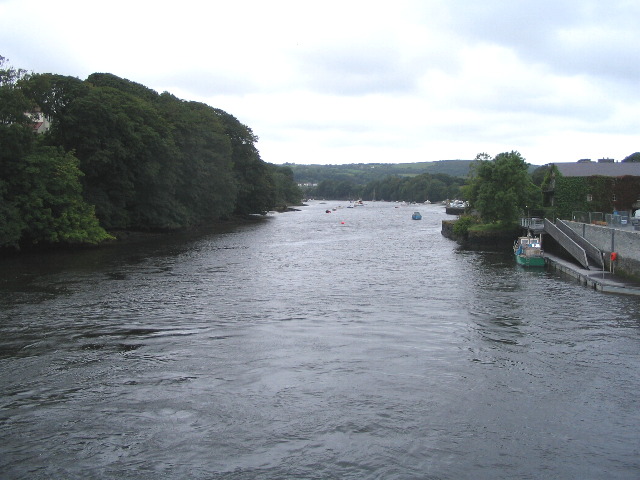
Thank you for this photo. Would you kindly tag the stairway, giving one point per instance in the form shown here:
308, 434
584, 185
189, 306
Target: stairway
594, 254
566, 242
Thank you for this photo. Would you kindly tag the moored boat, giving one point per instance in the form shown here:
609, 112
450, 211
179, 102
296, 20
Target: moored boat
528, 251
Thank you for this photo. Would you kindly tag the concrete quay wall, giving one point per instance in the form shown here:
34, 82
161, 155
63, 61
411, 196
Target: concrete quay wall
601, 281
626, 243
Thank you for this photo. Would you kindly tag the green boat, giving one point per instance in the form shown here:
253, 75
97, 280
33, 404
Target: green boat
528, 251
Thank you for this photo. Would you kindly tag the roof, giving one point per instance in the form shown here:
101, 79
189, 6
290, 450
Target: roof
605, 169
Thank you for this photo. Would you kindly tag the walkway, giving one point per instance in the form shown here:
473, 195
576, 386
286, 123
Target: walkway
598, 280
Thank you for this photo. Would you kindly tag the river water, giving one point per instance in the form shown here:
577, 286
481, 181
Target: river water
357, 344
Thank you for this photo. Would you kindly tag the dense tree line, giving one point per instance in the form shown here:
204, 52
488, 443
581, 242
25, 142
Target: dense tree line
119, 155
417, 188
634, 157
363, 173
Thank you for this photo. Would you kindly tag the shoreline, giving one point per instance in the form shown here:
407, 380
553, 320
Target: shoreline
502, 239
125, 237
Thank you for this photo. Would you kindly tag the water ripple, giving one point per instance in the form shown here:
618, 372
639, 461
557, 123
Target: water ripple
299, 347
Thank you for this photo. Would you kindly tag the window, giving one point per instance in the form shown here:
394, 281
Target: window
589, 197
613, 197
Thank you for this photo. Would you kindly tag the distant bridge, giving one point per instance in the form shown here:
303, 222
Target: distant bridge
585, 253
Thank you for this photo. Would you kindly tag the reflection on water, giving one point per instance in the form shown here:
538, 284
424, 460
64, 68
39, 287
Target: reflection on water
305, 347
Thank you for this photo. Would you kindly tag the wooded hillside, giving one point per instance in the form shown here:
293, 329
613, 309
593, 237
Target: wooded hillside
119, 155
363, 173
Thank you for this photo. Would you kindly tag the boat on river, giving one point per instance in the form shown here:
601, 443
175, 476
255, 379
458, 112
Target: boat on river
416, 216
528, 251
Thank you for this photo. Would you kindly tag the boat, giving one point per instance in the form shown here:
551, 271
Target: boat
528, 251
416, 216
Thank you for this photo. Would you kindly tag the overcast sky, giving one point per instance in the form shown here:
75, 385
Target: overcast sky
366, 81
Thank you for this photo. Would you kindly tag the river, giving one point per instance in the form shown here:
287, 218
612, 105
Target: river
357, 344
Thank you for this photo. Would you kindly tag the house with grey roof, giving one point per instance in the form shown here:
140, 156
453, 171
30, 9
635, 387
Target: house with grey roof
603, 186
603, 167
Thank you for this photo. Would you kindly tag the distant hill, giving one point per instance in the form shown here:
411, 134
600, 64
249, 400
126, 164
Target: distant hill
362, 173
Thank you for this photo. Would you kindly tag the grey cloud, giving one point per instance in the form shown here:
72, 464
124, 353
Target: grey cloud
572, 37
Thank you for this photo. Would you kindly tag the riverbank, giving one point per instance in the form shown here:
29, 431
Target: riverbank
623, 280
220, 225
479, 239
124, 237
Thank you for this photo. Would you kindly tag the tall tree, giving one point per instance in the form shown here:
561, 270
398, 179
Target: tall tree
501, 188
287, 191
125, 149
205, 185
47, 192
14, 104
256, 192
16, 141
40, 192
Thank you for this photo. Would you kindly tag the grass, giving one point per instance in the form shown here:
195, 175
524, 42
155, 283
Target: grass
493, 227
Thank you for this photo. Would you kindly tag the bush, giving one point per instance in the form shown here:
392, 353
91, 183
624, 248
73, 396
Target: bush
461, 227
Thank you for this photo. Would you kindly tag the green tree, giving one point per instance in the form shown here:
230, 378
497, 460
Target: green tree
256, 192
338, 190
500, 188
14, 104
146, 161
54, 93
539, 174
16, 142
438, 191
9, 76
126, 152
49, 194
287, 191
634, 157
206, 186
42, 201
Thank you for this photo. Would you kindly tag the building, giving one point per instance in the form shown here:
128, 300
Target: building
605, 167
603, 186
40, 122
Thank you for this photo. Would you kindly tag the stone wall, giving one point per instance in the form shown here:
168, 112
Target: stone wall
447, 229
626, 243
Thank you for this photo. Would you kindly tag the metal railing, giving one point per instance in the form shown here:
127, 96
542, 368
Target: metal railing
617, 219
532, 223
622, 220
588, 217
